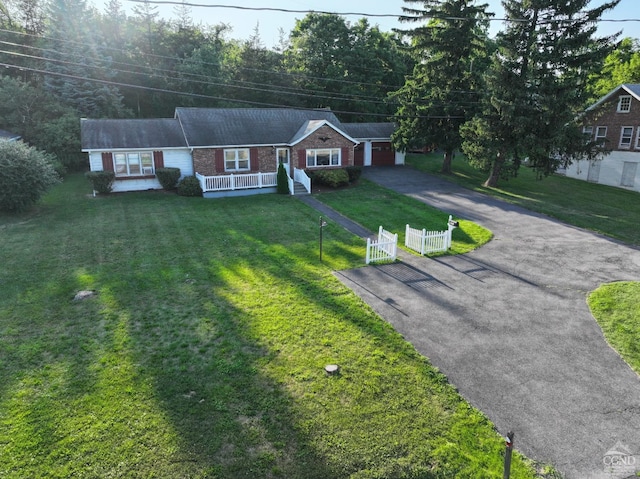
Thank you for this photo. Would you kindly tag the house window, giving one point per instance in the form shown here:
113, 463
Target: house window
638, 139
323, 157
133, 164
587, 131
626, 135
236, 160
624, 104
601, 135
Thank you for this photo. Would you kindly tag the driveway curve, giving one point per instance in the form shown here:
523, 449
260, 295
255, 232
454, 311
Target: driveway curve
509, 326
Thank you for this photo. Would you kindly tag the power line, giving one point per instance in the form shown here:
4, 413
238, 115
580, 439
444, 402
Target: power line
275, 91
351, 97
319, 95
188, 60
210, 97
362, 14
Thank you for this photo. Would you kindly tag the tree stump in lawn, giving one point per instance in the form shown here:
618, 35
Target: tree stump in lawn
332, 369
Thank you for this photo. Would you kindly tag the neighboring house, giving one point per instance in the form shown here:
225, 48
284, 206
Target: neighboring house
613, 120
8, 136
233, 151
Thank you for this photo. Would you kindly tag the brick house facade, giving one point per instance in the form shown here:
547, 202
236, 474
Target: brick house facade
263, 159
233, 148
614, 120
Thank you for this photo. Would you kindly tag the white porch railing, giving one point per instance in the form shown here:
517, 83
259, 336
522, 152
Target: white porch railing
292, 185
237, 182
301, 177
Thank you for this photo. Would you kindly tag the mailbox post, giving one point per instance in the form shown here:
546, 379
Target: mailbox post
322, 225
507, 454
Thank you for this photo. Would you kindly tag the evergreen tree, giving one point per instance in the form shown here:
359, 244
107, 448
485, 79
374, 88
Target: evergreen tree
147, 16
5, 16
536, 86
75, 57
443, 91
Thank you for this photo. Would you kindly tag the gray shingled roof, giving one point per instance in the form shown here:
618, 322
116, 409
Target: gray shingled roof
246, 126
634, 88
121, 134
369, 131
630, 88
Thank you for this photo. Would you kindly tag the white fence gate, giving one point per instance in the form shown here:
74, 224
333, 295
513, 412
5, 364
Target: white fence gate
425, 242
385, 248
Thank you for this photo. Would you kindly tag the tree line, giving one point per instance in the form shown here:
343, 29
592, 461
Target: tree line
445, 82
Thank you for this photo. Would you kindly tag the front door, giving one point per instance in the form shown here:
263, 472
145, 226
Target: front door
594, 171
283, 157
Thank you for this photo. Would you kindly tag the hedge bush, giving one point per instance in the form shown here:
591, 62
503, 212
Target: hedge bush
332, 178
102, 181
25, 175
354, 173
168, 177
283, 180
189, 186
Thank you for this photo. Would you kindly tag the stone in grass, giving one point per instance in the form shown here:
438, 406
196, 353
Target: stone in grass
86, 294
332, 369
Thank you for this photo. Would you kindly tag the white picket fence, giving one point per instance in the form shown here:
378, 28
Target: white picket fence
385, 248
425, 242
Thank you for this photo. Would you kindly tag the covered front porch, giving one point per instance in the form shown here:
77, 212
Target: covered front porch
245, 184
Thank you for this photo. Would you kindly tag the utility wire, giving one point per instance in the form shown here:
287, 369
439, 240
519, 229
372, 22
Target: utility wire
188, 60
210, 97
201, 63
275, 91
336, 97
361, 14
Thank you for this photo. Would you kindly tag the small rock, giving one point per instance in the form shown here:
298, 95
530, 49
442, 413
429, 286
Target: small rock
80, 295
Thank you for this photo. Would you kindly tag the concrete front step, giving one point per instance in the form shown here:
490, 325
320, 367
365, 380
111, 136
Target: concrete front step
299, 189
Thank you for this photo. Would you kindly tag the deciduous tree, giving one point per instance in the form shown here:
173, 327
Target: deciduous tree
621, 66
345, 67
25, 175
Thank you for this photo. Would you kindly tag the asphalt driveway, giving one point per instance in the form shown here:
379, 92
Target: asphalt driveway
509, 326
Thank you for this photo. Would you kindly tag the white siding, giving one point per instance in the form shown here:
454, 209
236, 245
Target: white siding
172, 158
612, 168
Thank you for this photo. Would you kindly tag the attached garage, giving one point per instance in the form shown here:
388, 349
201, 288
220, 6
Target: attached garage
375, 148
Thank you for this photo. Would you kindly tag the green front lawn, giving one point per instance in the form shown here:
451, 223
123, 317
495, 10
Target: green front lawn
605, 209
203, 353
616, 307
374, 206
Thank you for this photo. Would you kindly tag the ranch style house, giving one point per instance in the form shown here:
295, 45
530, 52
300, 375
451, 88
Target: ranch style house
234, 151
614, 120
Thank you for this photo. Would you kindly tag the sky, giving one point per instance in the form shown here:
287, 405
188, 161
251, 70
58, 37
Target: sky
243, 22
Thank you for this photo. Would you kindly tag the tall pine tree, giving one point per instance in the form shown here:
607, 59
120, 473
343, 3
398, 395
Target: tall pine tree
536, 86
75, 57
443, 91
